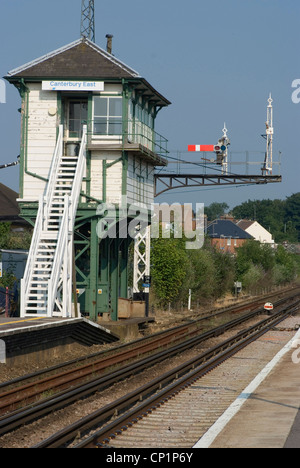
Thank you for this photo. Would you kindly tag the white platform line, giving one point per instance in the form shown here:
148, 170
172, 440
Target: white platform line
208, 438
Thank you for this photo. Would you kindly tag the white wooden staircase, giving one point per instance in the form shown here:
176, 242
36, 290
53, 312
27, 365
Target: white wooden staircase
46, 289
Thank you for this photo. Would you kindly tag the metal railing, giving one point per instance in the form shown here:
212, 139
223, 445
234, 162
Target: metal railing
239, 162
25, 281
130, 131
62, 263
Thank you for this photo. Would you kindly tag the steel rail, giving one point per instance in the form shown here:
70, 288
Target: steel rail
62, 399
196, 368
35, 410
101, 416
26, 392
29, 392
19, 381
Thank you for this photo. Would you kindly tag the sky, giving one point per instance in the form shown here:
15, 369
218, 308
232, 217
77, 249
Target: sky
216, 61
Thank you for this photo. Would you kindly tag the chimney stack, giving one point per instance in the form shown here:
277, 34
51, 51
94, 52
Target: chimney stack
109, 43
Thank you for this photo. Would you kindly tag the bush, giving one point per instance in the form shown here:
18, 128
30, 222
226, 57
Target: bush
253, 277
169, 269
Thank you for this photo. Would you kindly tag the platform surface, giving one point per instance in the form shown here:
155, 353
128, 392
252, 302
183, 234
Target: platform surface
15, 331
267, 413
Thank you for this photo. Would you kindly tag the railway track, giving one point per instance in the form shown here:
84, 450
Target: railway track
158, 391
162, 390
38, 409
31, 388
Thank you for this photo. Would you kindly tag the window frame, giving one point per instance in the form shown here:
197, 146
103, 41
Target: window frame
109, 120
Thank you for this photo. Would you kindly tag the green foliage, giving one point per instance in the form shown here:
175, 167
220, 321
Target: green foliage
169, 269
286, 267
252, 277
13, 240
211, 273
215, 210
254, 253
280, 217
7, 280
203, 270
4, 235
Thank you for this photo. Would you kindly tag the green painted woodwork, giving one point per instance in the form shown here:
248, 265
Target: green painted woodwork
101, 266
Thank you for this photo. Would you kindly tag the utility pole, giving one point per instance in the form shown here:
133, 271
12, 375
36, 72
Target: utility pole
88, 19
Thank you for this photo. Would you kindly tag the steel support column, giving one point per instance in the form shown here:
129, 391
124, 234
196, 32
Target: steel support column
141, 267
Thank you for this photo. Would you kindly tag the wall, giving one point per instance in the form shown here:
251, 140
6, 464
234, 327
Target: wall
140, 172
42, 134
221, 244
260, 233
112, 178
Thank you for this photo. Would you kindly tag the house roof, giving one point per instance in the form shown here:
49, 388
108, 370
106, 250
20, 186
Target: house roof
245, 223
9, 209
83, 59
226, 228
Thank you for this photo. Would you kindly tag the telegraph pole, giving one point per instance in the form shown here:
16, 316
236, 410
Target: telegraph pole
88, 19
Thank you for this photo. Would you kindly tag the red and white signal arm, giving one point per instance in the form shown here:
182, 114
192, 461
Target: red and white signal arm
268, 306
207, 148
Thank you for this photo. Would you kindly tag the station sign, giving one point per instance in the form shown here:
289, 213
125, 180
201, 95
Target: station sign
58, 85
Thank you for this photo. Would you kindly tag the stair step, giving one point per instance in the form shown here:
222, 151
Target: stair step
39, 282
48, 236
32, 290
35, 301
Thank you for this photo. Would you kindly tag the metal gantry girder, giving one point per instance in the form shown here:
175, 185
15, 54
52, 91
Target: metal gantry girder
175, 181
88, 19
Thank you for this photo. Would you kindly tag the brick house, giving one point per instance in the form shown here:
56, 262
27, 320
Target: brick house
226, 235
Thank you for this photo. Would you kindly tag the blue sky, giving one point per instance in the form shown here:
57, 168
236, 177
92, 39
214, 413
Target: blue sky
214, 60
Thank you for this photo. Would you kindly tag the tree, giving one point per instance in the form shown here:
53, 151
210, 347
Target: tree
215, 210
169, 269
4, 235
14, 240
292, 212
254, 253
280, 217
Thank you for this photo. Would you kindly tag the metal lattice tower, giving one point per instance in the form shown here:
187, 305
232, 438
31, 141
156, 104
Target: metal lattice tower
268, 164
269, 132
88, 19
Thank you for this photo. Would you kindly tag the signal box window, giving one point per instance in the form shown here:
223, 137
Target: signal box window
107, 115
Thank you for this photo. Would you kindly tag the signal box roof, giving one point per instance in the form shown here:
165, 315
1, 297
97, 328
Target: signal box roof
83, 59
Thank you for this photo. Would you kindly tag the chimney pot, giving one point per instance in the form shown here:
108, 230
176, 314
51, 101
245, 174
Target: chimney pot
109, 43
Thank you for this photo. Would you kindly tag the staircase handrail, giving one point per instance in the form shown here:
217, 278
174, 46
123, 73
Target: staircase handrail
59, 257
50, 190
75, 194
62, 255
25, 282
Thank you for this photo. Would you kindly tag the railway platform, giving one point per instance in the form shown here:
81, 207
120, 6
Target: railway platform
39, 336
267, 413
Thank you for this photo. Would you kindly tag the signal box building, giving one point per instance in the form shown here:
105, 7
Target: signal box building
88, 140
